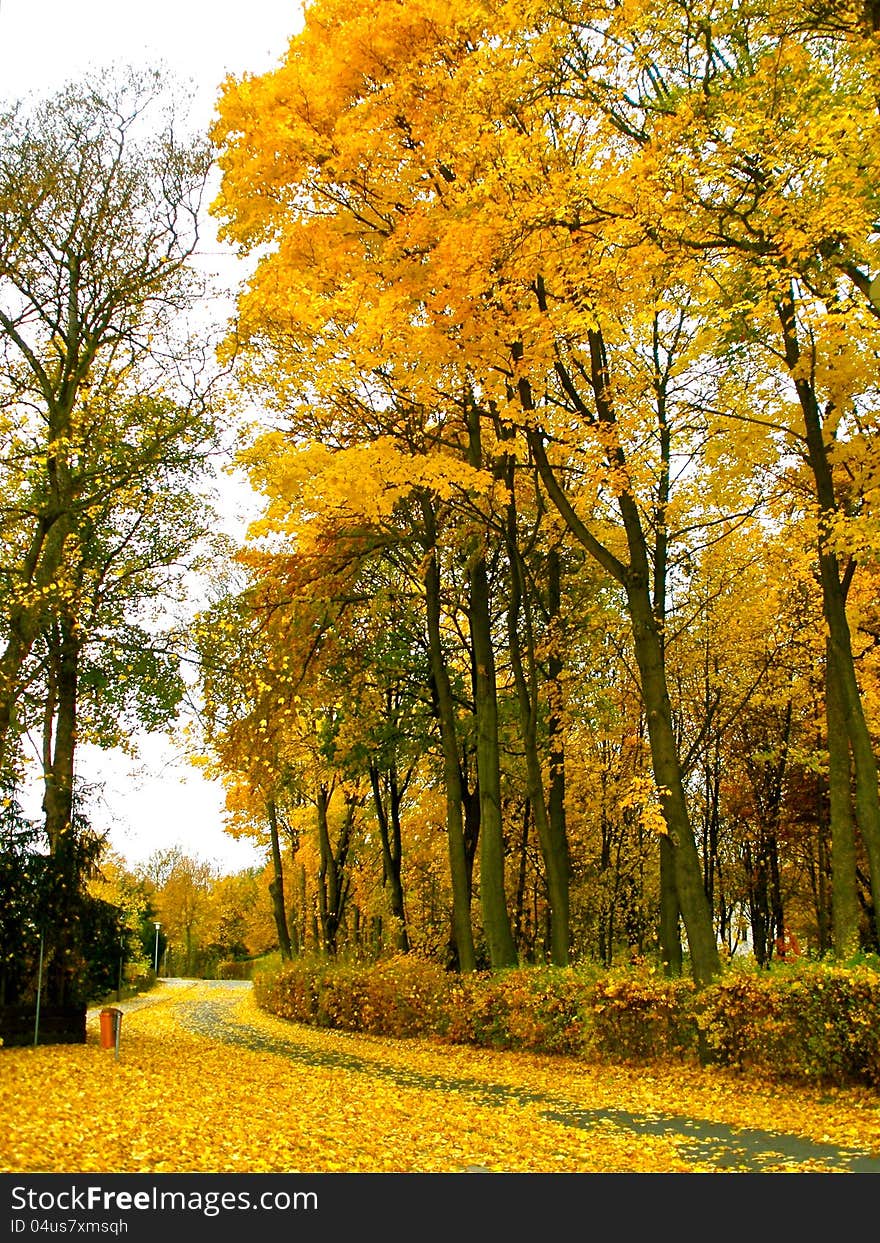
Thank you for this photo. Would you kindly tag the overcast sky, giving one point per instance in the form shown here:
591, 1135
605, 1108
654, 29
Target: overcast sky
159, 800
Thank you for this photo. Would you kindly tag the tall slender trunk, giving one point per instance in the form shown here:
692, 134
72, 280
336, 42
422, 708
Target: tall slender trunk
842, 667
684, 861
768, 783
755, 865
276, 885
822, 876
845, 915
669, 934
332, 874
777, 908
555, 725
60, 747
493, 897
520, 903
458, 867
471, 801
553, 850
303, 910
388, 818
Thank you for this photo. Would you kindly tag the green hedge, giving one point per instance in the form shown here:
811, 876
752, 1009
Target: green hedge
805, 1023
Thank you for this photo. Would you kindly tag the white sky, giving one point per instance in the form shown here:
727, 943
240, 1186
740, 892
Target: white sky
159, 800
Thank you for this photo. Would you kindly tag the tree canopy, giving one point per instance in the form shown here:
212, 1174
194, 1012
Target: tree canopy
558, 313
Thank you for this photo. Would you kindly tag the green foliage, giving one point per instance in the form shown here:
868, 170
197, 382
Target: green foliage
83, 935
807, 1023
19, 910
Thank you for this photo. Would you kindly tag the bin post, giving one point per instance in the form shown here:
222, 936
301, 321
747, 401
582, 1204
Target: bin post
111, 1028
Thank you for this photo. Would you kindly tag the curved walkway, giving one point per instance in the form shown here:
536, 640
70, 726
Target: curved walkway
723, 1147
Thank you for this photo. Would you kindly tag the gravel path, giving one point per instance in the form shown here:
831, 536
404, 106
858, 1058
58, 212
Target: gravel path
161, 991
718, 1145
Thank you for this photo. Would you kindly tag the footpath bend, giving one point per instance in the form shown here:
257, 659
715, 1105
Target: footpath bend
513, 1093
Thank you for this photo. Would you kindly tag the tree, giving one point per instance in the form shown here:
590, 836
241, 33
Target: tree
616, 259
773, 114
479, 322
58, 932
104, 416
97, 223
182, 897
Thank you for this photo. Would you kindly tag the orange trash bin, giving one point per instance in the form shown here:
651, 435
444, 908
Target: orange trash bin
109, 1018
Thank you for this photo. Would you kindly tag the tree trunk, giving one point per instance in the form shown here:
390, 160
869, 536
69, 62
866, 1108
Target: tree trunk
553, 850
60, 746
389, 832
332, 877
276, 886
685, 859
845, 916
842, 668
303, 910
493, 898
458, 868
555, 726
59, 751
759, 903
520, 903
669, 933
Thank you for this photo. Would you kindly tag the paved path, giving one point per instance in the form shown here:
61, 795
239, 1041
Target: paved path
160, 991
714, 1144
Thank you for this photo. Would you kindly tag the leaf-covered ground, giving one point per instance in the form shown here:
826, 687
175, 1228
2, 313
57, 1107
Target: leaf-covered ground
207, 1082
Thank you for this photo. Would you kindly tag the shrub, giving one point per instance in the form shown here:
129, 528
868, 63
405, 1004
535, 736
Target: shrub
639, 1016
404, 996
234, 969
803, 1023
290, 992
541, 1009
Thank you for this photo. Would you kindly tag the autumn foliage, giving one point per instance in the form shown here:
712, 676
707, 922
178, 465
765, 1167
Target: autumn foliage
802, 1024
304, 1099
556, 637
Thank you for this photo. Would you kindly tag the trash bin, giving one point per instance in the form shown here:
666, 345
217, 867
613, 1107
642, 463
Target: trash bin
109, 1019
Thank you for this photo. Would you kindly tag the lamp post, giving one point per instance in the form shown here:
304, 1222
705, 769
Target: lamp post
156, 955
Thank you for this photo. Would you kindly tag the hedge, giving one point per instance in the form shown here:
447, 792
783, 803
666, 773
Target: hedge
801, 1023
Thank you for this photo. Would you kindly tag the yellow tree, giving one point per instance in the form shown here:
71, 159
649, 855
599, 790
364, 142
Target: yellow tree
434, 207
517, 198
757, 130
